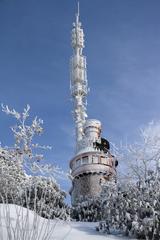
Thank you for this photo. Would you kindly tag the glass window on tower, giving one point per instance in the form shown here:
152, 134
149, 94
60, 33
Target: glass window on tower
78, 162
95, 159
85, 160
103, 160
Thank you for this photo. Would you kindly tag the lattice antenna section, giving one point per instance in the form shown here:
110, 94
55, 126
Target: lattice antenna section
78, 79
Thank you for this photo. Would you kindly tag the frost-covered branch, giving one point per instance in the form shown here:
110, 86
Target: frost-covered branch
144, 155
24, 134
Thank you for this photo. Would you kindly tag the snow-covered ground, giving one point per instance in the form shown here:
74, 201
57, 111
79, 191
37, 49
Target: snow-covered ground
86, 231
17, 223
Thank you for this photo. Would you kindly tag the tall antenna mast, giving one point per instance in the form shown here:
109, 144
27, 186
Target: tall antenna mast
78, 79
92, 163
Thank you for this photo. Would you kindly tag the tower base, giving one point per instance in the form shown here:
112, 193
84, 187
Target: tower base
86, 186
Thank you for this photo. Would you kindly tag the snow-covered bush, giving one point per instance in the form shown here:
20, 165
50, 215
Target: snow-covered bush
44, 196
11, 177
88, 210
39, 193
134, 210
133, 205
31, 191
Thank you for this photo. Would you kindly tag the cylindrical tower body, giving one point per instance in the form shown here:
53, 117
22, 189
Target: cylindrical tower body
92, 129
89, 171
93, 162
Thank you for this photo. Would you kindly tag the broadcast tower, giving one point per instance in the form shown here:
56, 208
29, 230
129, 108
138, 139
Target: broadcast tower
92, 163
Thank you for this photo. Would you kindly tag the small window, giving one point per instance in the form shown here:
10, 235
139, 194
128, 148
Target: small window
72, 165
78, 162
95, 159
103, 160
85, 160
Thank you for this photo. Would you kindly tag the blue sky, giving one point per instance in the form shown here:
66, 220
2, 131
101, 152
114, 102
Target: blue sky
123, 57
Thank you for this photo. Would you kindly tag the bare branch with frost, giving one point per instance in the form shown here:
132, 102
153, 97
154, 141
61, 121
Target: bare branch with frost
24, 134
144, 155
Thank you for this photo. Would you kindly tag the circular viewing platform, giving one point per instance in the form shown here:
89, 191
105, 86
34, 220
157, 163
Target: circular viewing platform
93, 161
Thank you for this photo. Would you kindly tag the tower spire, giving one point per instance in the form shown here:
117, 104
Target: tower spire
78, 8
77, 14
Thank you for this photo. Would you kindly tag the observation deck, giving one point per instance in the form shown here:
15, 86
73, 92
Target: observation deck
93, 162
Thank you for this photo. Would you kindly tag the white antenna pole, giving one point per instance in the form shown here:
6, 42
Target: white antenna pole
77, 14
78, 8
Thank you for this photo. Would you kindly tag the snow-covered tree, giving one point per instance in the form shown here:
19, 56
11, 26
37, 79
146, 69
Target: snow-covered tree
133, 205
39, 193
143, 157
88, 210
24, 133
133, 210
11, 177
44, 196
